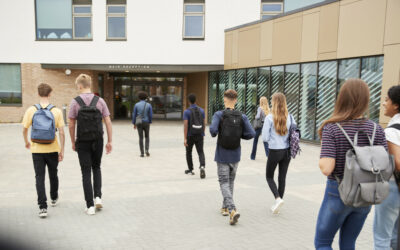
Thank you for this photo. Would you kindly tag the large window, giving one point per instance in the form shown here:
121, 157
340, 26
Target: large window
292, 84
10, 84
270, 8
193, 19
63, 19
251, 93
307, 100
116, 19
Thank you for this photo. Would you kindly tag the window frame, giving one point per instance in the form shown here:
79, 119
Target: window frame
124, 15
203, 14
20, 82
273, 13
90, 15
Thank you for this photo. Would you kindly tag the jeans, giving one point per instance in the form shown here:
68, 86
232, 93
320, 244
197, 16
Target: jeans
226, 178
281, 157
144, 127
255, 142
198, 141
40, 160
334, 215
89, 154
386, 220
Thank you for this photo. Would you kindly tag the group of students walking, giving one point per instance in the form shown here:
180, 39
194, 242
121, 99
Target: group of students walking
345, 137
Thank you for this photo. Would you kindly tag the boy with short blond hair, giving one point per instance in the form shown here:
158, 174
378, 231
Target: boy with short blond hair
44, 144
87, 112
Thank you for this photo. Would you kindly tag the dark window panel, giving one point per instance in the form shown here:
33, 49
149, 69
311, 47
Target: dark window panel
307, 100
264, 82
82, 2
116, 1
277, 79
10, 84
292, 81
241, 89
251, 93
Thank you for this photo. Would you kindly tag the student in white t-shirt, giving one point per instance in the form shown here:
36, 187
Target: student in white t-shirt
387, 213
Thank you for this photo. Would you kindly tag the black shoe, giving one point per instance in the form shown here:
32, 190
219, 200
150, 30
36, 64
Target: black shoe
142, 155
189, 172
202, 172
147, 154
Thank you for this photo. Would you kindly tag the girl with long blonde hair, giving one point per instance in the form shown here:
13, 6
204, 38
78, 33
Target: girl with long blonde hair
276, 133
262, 112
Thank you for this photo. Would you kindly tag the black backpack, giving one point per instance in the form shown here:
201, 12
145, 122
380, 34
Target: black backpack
196, 121
89, 120
230, 129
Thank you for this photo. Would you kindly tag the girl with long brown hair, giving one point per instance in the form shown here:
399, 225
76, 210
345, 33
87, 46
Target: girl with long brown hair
350, 109
276, 133
262, 112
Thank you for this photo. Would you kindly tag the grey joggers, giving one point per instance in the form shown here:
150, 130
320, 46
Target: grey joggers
226, 178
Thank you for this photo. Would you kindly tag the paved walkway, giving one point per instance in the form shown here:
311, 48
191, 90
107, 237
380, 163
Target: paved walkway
150, 204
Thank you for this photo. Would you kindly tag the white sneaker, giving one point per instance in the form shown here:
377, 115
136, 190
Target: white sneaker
90, 211
277, 206
98, 203
43, 213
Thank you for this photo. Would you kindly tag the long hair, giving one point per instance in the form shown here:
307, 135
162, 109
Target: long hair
352, 102
264, 105
280, 113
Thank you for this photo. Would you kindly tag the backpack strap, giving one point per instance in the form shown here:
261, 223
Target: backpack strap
371, 140
395, 126
94, 101
79, 100
345, 134
37, 106
144, 110
50, 107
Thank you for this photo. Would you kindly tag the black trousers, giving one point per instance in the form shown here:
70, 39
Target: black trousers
89, 154
279, 157
40, 160
144, 128
198, 141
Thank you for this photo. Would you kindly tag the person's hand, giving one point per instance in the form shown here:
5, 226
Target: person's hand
28, 145
61, 155
73, 147
108, 148
185, 143
134, 126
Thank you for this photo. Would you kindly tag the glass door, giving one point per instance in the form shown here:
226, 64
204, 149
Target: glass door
123, 101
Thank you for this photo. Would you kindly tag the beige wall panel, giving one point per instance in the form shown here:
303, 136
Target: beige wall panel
266, 40
392, 26
328, 28
249, 44
197, 83
327, 56
309, 40
266, 62
361, 28
310, 11
285, 18
235, 48
391, 74
345, 2
228, 49
287, 40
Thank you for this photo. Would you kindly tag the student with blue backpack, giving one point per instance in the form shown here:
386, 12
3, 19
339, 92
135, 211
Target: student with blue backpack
45, 119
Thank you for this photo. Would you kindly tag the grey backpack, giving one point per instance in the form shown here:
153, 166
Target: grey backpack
366, 173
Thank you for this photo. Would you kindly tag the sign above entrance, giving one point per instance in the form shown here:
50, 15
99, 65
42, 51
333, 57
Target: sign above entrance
125, 67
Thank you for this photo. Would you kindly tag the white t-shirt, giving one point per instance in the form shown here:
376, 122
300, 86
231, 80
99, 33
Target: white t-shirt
393, 134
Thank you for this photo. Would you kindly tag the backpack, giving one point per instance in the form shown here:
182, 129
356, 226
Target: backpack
294, 139
43, 125
196, 121
231, 129
139, 118
89, 120
366, 174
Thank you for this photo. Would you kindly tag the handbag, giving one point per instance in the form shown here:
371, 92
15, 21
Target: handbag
258, 123
139, 118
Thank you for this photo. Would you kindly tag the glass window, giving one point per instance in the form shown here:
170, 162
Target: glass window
263, 87
241, 89
193, 20
270, 9
292, 84
231, 79
116, 21
10, 84
82, 9
371, 73
277, 79
221, 89
326, 95
54, 19
212, 95
307, 100
101, 85
349, 68
251, 93
82, 27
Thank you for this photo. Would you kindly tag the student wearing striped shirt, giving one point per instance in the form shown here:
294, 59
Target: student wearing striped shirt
350, 108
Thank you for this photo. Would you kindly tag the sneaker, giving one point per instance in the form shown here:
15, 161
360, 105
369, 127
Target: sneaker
202, 172
53, 203
142, 155
224, 211
234, 217
90, 211
189, 172
43, 213
147, 154
98, 203
277, 206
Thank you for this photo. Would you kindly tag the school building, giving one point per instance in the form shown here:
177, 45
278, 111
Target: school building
304, 48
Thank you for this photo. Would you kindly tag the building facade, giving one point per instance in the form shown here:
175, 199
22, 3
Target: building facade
307, 54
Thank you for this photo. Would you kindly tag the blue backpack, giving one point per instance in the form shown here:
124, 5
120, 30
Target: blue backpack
43, 125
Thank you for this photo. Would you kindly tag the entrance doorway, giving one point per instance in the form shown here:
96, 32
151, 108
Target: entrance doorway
165, 96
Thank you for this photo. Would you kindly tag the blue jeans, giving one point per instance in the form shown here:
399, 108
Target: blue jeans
386, 220
255, 142
334, 215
